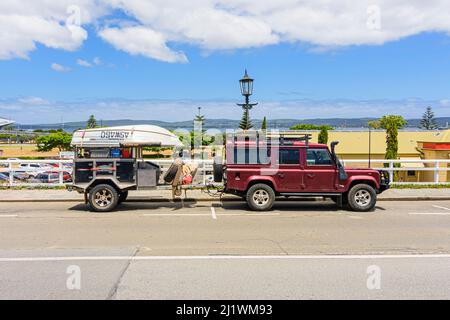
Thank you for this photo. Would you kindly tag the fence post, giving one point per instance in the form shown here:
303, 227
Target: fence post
61, 176
11, 174
391, 171
436, 172
204, 172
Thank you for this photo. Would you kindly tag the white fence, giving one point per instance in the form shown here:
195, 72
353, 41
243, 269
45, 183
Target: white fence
10, 170
436, 166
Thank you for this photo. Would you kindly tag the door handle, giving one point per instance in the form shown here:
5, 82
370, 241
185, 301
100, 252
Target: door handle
310, 175
281, 175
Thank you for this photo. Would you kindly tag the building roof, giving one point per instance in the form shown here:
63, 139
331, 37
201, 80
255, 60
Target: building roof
4, 122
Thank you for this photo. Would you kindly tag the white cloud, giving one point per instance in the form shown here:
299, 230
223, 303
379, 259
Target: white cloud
24, 23
151, 27
59, 68
97, 61
84, 63
142, 41
36, 101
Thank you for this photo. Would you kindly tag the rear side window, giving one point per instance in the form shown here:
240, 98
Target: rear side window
251, 155
289, 156
318, 157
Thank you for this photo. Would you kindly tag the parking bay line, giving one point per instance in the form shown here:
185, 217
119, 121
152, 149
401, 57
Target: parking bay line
9, 215
213, 213
227, 257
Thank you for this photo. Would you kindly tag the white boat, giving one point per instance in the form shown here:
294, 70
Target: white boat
4, 122
126, 136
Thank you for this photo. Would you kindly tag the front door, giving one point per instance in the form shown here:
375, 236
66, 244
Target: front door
320, 172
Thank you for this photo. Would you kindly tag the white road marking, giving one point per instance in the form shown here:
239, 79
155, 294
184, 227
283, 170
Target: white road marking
213, 213
439, 207
8, 215
226, 257
430, 213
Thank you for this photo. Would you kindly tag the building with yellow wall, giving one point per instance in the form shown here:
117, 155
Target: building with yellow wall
412, 145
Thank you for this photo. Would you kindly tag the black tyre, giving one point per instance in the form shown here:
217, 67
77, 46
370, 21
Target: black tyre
103, 198
171, 173
218, 169
260, 197
123, 196
362, 197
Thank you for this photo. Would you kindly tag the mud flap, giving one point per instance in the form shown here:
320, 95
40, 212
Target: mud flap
339, 201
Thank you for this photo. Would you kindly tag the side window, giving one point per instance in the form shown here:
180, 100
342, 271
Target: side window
318, 157
289, 156
252, 155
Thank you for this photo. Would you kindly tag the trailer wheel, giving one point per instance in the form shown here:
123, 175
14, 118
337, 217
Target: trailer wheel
362, 197
122, 197
260, 197
103, 198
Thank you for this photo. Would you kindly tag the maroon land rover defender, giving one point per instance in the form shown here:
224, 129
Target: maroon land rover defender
260, 170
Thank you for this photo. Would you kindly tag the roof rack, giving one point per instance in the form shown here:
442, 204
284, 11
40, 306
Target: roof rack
281, 139
289, 140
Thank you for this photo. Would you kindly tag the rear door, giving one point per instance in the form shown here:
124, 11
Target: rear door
320, 172
289, 173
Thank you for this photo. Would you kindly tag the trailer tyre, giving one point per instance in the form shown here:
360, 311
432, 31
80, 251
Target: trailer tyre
218, 169
260, 197
103, 198
362, 198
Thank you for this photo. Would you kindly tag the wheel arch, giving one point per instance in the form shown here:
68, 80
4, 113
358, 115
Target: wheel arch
103, 181
266, 181
365, 180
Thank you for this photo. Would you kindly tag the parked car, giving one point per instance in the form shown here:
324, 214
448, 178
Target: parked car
33, 168
21, 176
51, 177
259, 170
4, 177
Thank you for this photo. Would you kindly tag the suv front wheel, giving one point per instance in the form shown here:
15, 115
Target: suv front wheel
260, 197
362, 197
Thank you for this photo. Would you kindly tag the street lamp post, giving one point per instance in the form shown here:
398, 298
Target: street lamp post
246, 84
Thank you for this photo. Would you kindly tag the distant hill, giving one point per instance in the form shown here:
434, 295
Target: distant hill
231, 124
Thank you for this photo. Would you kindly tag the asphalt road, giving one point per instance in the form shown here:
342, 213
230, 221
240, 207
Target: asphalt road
222, 251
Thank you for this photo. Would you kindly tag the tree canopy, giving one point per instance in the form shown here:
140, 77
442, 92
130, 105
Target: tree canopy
264, 124
428, 122
307, 126
59, 140
392, 124
91, 123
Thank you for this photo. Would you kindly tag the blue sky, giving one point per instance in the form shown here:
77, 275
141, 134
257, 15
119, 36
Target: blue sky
106, 76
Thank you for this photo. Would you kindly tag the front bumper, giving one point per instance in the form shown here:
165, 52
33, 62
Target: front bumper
384, 181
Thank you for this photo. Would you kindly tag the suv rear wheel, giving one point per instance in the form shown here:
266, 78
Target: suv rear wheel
260, 197
362, 197
103, 198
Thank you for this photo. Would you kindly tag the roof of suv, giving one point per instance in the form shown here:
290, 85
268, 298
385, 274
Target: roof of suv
285, 144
